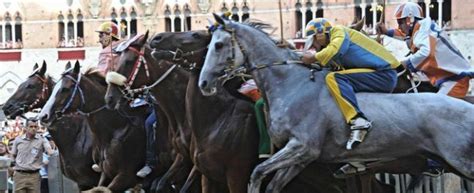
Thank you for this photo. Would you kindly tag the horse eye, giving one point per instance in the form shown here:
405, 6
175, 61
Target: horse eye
219, 45
196, 35
30, 86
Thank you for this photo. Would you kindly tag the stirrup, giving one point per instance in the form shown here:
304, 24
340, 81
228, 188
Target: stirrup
96, 168
356, 137
349, 170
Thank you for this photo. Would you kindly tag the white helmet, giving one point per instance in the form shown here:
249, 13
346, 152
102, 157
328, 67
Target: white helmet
408, 9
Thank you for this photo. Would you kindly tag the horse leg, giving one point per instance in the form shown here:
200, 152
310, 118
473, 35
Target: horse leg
172, 171
120, 182
283, 177
192, 177
293, 153
104, 180
212, 186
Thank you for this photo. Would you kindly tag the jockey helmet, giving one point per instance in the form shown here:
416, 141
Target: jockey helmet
315, 27
408, 9
109, 28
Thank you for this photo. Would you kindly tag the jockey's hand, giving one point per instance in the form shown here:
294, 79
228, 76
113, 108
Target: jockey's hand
381, 28
404, 64
308, 58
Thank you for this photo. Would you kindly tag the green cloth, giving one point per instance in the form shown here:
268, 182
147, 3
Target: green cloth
264, 141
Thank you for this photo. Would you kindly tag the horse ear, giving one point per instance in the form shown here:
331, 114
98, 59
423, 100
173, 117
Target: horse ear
219, 19
42, 71
35, 67
68, 65
77, 67
144, 39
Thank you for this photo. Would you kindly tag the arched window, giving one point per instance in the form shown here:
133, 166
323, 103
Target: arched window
80, 24
177, 19
61, 27
245, 11
298, 20
123, 23
235, 12
187, 16
113, 16
18, 30
167, 19
70, 31
308, 12
133, 22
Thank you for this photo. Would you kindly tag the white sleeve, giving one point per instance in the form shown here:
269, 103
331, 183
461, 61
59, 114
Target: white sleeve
421, 40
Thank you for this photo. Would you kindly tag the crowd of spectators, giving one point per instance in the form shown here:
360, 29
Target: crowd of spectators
9, 44
71, 42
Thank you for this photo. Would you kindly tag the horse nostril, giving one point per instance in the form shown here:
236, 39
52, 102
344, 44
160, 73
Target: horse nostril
203, 84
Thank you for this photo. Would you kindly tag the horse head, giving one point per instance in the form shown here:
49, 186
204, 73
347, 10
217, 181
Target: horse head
229, 55
132, 71
69, 93
181, 47
31, 94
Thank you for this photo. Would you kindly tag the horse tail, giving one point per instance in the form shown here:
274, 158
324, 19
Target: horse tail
414, 182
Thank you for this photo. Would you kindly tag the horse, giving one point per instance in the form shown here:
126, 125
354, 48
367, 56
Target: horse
305, 138
72, 134
119, 136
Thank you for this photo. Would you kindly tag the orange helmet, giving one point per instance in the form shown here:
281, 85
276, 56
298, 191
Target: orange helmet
109, 28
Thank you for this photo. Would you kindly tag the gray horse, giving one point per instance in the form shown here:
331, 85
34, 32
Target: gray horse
305, 122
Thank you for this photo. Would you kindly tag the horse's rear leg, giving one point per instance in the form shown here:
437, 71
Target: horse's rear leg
283, 177
175, 167
121, 182
292, 154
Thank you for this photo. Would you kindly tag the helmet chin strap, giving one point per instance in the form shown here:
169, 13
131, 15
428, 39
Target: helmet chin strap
106, 40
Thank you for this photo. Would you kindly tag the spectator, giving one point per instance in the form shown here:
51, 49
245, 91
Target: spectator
27, 151
299, 34
18, 44
80, 42
62, 43
44, 168
9, 44
71, 43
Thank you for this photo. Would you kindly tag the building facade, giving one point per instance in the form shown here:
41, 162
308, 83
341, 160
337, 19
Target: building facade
62, 30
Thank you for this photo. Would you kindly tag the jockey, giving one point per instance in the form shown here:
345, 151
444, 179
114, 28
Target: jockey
362, 65
108, 38
432, 52
250, 90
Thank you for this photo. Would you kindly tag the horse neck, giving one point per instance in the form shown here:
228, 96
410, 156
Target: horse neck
105, 121
218, 108
69, 134
171, 92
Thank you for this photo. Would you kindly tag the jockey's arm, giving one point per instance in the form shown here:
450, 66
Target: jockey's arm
396, 33
421, 41
338, 35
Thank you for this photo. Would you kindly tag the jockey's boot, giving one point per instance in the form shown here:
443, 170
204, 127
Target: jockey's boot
349, 170
96, 168
359, 128
142, 173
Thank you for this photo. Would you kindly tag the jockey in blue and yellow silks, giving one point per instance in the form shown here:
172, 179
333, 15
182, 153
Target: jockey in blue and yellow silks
363, 66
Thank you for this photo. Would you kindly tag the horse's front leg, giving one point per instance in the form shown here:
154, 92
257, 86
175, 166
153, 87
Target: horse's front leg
192, 178
294, 153
283, 177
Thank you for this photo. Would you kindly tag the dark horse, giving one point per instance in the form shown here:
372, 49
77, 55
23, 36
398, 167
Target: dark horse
321, 135
120, 138
71, 134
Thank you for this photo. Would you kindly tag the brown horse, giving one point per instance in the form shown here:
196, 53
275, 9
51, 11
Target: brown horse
119, 135
71, 134
169, 98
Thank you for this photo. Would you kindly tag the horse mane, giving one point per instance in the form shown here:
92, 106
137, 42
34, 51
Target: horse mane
95, 74
262, 27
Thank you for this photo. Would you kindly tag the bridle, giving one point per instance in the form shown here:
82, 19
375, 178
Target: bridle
129, 93
243, 70
77, 89
43, 96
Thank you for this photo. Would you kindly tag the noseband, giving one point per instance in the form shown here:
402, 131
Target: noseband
77, 89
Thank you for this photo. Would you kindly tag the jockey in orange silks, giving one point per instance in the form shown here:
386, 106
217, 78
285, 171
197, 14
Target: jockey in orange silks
432, 52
